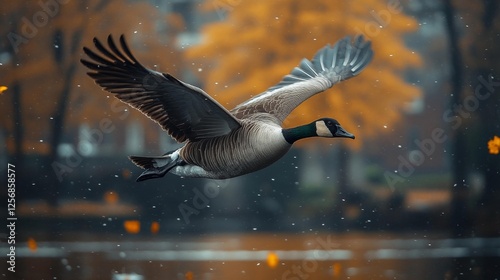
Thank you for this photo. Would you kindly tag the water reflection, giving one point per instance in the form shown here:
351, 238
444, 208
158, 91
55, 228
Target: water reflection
250, 256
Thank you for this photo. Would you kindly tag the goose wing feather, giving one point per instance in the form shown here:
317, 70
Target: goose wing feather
184, 111
329, 66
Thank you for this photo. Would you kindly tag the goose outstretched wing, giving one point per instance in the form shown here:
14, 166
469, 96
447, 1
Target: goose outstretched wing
184, 111
329, 66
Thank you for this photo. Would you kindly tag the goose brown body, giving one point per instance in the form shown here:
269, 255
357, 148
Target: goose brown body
259, 143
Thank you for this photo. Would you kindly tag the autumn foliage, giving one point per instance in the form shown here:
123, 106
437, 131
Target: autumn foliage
261, 41
41, 54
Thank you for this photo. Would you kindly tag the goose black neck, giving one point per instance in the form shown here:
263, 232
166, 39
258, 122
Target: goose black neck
300, 132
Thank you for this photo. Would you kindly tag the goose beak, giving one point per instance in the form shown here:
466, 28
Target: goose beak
341, 132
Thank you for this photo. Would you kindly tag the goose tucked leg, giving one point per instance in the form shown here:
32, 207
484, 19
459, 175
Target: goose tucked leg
156, 167
152, 173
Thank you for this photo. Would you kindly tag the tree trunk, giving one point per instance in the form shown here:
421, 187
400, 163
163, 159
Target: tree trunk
460, 221
490, 111
489, 114
18, 133
59, 115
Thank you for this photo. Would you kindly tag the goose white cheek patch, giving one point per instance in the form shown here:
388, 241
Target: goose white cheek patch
322, 130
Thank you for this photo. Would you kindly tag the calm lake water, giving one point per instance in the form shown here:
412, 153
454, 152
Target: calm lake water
291, 256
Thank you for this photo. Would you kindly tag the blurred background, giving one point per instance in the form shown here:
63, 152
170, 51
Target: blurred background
413, 196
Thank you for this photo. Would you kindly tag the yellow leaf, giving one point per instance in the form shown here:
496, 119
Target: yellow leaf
272, 259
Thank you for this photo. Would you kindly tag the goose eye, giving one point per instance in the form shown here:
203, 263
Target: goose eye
329, 123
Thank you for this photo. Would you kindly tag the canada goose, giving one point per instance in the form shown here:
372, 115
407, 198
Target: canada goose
219, 143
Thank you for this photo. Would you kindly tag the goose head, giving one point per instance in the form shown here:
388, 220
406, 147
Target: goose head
325, 127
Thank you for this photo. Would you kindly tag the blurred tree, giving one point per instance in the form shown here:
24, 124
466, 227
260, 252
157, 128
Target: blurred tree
481, 25
460, 220
50, 91
460, 214
8, 62
261, 41
474, 85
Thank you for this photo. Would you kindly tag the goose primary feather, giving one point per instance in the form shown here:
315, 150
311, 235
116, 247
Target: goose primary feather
219, 143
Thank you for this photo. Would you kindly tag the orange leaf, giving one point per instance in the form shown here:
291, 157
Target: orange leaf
155, 227
111, 197
494, 145
336, 268
132, 226
32, 244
